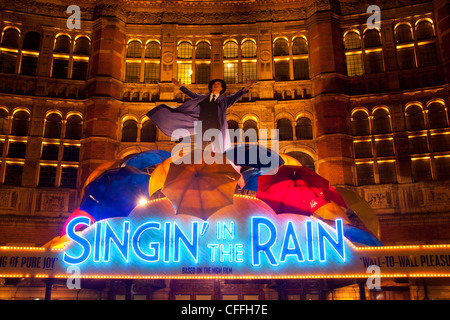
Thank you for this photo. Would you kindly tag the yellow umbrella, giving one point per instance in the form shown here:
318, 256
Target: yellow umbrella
158, 176
362, 209
332, 211
289, 161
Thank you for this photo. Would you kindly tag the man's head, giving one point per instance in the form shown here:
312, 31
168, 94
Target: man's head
217, 86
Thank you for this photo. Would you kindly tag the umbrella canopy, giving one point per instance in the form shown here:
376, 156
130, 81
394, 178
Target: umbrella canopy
254, 156
146, 159
115, 193
295, 189
99, 170
200, 189
289, 161
332, 211
362, 209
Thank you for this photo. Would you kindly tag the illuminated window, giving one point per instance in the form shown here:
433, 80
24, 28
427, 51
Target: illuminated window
82, 46
381, 121
134, 49
151, 72
424, 30
421, 170
437, 116
62, 44
248, 71
53, 126
230, 73
3, 121
427, 55
13, 174
299, 46
11, 38
184, 73
387, 172
363, 149
31, 44
20, 123
80, 70
71, 153
360, 123
403, 34
364, 174
352, 41
414, 118
74, 127
385, 148
354, 64
248, 49
281, 47
202, 73
303, 129
284, 127
301, 69
282, 70
129, 131
148, 131
60, 68
418, 144
372, 38
203, 50
184, 50
132, 72
230, 50
47, 176
153, 50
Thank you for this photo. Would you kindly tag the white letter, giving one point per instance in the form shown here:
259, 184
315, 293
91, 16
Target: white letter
184, 146
374, 20
74, 21
374, 281
74, 280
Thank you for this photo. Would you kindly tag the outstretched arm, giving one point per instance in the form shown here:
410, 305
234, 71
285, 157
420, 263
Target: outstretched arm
183, 89
230, 100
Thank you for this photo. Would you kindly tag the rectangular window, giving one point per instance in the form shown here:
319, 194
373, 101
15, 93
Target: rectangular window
50, 152
248, 71
17, 150
385, 148
282, 70
406, 59
132, 72
301, 69
29, 65
230, 72
354, 65
418, 144
13, 174
71, 153
427, 55
151, 72
440, 142
363, 149
202, 73
184, 73
364, 173
374, 62
421, 170
47, 176
442, 168
69, 177
8, 62
60, 68
387, 172
80, 70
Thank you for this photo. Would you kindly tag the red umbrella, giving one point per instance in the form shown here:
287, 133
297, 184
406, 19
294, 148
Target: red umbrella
295, 189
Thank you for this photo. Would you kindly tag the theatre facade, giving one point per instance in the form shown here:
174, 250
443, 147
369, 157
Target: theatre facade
363, 106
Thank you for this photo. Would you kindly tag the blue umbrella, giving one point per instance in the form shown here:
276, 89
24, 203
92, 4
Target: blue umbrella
360, 236
147, 159
254, 156
115, 193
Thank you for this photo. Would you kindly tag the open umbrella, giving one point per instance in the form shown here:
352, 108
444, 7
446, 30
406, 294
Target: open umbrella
146, 159
99, 170
295, 189
289, 161
115, 193
362, 210
254, 156
200, 189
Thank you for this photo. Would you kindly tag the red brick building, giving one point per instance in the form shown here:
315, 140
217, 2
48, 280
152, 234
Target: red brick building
366, 108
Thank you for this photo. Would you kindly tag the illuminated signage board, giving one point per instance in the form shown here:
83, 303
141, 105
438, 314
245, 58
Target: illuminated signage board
243, 240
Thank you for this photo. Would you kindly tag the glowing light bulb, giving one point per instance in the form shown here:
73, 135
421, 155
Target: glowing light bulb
142, 201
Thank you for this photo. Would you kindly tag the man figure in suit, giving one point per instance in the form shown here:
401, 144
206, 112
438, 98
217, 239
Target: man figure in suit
210, 109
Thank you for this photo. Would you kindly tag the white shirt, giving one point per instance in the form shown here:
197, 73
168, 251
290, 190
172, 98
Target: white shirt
213, 95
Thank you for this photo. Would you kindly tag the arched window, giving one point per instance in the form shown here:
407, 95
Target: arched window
234, 135
248, 49
372, 38
305, 159
414, 118
403, 33
3, 121
11, 38
74, 127
203, 50
424, 30
184, 50
437, 116
32, 41
62, 44
153, 50
303, 129
134, 49
82, 46
354, 62
233, 125
381, 121
352, 41
20, 123
53, 126
360, 123
230, 50
250, 128
284, 127
129, 131
405, 54
148, 131
281, 47
299, 46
